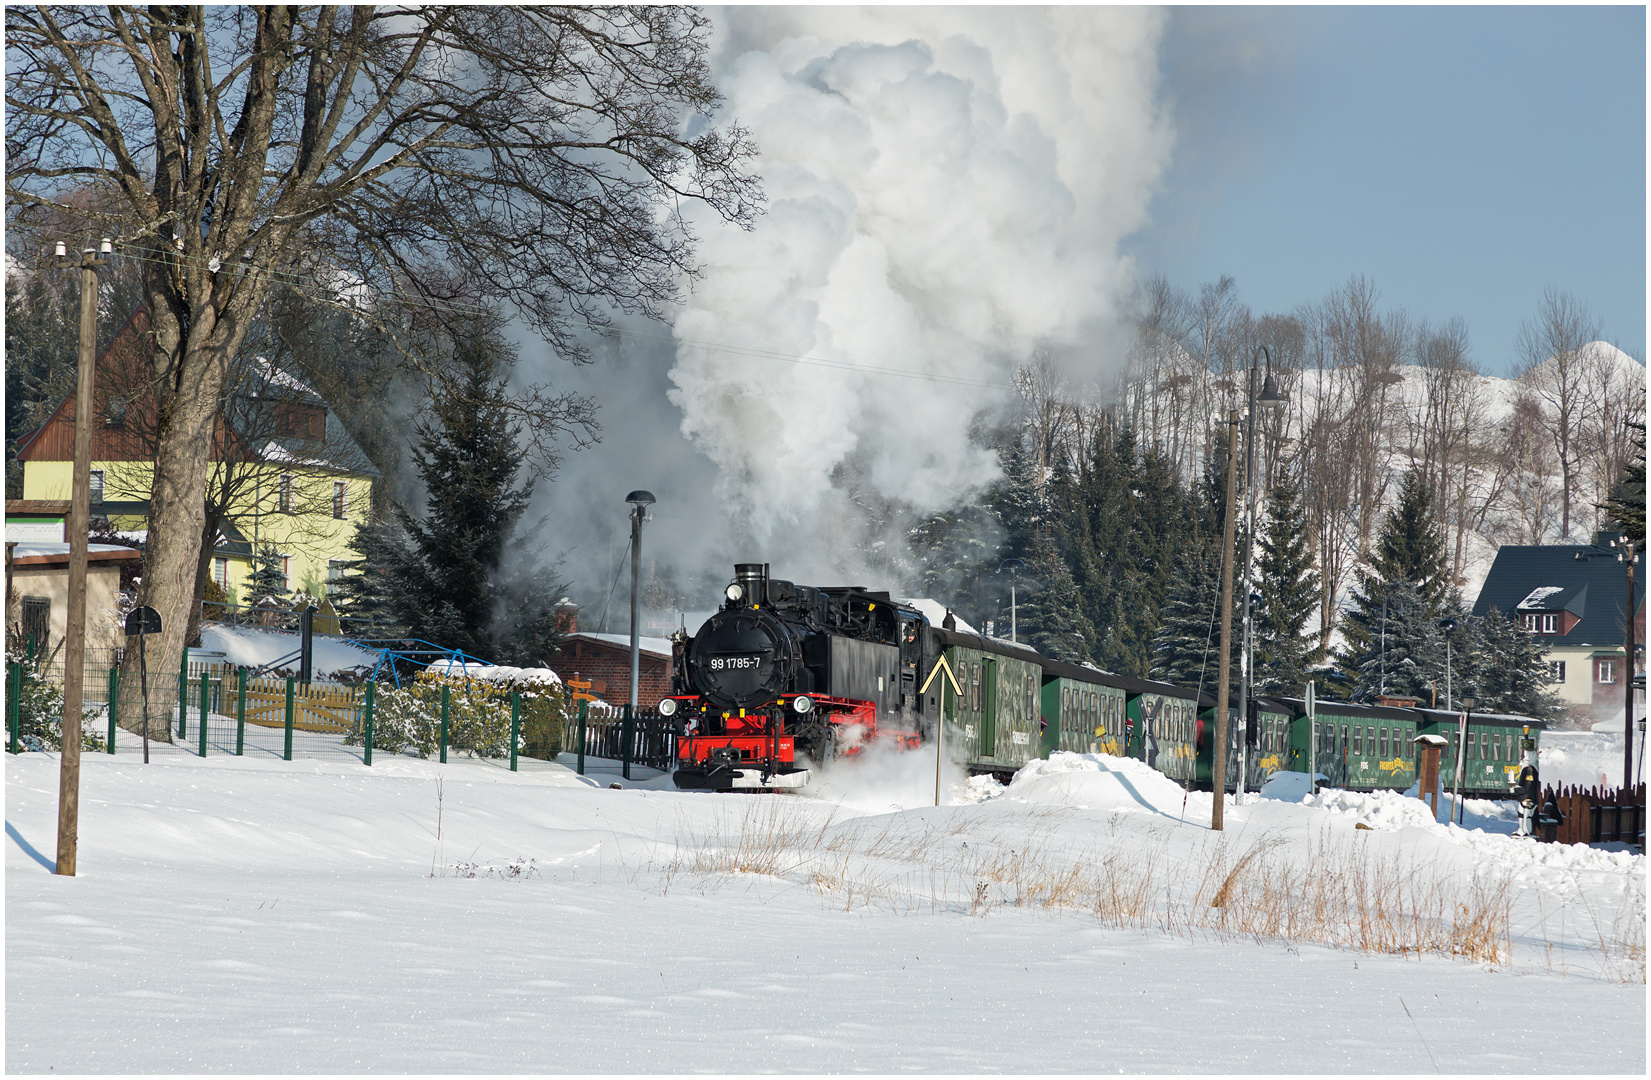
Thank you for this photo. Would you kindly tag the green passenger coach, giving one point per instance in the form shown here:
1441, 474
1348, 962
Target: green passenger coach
996, 724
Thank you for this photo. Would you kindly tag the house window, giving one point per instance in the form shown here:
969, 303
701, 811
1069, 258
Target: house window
220, 572
1556, 670
37, 622
335, 575
115, 414
340, 492
1606, 671
1550, 624
97, 486
286, 571
285, 506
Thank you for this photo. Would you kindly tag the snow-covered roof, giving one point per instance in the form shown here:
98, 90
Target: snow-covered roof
1537, 596
656, 646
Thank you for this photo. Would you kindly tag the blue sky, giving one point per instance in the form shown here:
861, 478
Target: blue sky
1461, 158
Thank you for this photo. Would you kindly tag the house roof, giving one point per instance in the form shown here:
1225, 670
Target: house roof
660, 647
1574, 578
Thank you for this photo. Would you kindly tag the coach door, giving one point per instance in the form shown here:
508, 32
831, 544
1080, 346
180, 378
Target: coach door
988, 708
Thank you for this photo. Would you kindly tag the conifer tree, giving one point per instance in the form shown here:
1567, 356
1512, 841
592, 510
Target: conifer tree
1625, 506
1050, 617
1400, 650
1410, 547
1506, 670
268, 579
369, 594
1289, 586
460, 581
1186, 649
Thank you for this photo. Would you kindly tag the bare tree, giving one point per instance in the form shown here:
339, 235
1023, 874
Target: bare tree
538, 154
1554, 364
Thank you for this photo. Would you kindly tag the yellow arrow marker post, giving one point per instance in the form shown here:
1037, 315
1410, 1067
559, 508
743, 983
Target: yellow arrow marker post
940, 720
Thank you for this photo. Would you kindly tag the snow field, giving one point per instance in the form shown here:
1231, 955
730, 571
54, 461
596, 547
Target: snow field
254, 915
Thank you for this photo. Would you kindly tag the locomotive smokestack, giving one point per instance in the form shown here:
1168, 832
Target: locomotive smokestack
752, 578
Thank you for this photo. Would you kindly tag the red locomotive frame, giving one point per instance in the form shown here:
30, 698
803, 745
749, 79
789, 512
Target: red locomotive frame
765, 739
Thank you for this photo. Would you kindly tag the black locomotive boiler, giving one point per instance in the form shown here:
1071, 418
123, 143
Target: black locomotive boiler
782, 678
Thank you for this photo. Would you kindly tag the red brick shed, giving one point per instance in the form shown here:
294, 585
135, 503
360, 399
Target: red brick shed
605, 660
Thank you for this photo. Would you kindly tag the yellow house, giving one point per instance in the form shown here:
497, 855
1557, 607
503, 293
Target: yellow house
286, 475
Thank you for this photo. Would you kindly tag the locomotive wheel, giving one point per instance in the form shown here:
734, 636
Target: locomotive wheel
817, 740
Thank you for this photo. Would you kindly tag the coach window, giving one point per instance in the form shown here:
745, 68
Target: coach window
1370, 740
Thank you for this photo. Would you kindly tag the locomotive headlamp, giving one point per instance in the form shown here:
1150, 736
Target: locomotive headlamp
802, 704
667, 707
735, 592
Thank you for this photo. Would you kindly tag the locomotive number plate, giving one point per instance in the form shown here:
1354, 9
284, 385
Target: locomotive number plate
735, 663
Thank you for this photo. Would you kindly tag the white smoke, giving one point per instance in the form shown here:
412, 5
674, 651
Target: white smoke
947, 191
948, 188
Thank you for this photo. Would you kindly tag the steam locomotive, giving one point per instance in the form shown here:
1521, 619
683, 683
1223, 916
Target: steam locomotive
783, 678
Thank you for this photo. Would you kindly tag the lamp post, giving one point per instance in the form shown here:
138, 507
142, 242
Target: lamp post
1268, 398
1449, 627
80, 502
1014, 566
640, 501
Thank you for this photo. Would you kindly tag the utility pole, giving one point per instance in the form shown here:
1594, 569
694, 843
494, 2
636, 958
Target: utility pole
80, 513
1628, 675
1218, 753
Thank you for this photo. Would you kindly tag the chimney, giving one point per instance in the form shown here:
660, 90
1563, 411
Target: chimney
567, 616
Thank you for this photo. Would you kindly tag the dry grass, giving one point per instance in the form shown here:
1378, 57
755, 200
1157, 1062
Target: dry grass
1337, 890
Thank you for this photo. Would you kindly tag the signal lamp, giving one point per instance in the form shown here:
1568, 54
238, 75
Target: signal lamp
802, 704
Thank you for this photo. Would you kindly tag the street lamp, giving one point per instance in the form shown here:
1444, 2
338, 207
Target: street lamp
1449, 627
1268, 397
640, 501
1014, 566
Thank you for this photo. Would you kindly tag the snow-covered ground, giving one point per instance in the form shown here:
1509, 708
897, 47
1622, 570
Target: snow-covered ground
322, 916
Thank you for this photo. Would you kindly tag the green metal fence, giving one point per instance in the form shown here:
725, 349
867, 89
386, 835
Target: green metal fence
210, 710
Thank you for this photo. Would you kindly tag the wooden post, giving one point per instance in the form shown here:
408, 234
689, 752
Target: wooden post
80, 520
1428, 785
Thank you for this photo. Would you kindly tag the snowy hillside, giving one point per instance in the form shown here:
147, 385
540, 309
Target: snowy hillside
256, 916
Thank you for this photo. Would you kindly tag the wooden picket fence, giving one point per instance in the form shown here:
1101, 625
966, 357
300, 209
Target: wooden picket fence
1597, 815
317, 707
